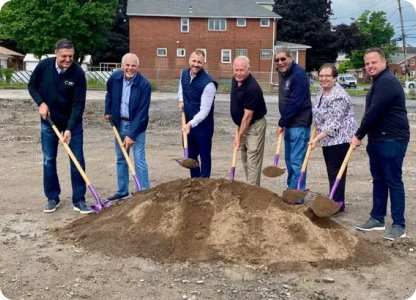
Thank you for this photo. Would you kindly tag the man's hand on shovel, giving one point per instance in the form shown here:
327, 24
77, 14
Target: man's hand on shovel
355, 142
67, 137
187, 128
128, 143
44, 110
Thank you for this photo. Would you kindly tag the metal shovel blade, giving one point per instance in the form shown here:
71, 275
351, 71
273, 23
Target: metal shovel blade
188, 163
323, 206
272, 171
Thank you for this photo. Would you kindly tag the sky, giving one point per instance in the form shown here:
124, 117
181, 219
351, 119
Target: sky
343, 10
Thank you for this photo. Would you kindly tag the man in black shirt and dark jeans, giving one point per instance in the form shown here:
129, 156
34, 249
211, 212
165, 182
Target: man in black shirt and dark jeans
386, 123
59, 87
248, 109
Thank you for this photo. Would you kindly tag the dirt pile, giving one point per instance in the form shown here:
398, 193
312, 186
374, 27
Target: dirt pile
216, 219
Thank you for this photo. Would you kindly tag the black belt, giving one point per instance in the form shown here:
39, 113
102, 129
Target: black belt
125, 119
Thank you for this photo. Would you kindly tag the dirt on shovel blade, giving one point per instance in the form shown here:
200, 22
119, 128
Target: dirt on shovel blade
272, 171
189, 163
324, 207
291, 196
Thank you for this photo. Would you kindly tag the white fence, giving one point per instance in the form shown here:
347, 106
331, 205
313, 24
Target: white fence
99, 76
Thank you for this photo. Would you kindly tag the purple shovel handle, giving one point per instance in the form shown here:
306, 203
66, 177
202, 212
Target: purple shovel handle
136, 180
185, 153
333, 190
232, 174
302, 174
276, 160
99, 205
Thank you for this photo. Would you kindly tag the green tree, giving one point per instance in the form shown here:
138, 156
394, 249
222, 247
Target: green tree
378, 33
36, 25
344, 66
309, 25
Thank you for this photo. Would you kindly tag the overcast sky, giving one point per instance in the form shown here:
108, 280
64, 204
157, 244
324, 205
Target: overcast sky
345, 9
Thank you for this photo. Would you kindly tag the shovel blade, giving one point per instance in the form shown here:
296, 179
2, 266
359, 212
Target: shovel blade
323, 206
292, 196
272, 171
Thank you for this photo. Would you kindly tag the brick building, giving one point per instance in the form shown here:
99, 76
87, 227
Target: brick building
163, 33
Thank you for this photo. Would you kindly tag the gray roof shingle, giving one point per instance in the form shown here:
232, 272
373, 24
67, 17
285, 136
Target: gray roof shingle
199, 9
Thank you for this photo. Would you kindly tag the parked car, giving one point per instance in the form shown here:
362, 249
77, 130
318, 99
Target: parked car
347, 81
410, 84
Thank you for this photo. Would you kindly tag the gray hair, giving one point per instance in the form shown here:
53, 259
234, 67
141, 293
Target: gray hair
64, 44
128, 54
243, 57
284, 50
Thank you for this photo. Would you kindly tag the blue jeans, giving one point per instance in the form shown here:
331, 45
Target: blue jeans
50, 141
140, 165
200, 144
386, 161
296, 143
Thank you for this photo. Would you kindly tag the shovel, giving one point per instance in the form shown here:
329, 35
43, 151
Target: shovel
99, 205
324, 206
126, 156
275, 171
186, 162
232, 173
292, 196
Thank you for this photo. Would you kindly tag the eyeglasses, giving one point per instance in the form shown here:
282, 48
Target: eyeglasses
325, 76
279, 59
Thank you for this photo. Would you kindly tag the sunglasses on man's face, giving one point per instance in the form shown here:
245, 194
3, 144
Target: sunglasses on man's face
279, 59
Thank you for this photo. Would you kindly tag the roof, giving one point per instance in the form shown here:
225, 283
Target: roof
31, 58
230, 9
6, 51
398, 58
288, 45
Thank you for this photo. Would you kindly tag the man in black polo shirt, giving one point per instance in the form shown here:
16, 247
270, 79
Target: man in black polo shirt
248, 109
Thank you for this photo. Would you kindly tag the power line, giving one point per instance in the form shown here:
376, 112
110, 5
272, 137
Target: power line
363, 10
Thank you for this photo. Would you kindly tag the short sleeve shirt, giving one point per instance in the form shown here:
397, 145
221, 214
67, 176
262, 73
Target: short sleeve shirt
247, 96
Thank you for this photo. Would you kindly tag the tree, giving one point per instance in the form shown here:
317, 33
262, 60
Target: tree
118, 38
349, 38
378, 33
37, 25
308, 25
344, 66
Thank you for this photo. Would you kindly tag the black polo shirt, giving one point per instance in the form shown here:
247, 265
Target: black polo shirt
247, 96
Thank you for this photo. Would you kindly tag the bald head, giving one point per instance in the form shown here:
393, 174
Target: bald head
129, 65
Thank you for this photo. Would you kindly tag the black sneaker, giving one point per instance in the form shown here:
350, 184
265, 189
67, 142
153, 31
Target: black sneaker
82, 207
51, 206
117, 197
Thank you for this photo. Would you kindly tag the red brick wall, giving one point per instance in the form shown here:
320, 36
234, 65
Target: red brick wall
149, 33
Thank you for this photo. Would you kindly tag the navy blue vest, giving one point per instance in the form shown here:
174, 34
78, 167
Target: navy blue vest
192, 92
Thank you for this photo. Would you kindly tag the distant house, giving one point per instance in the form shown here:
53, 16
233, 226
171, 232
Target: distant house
360, 74
396, 64
10, 59
30, 61
340, 59
164, 33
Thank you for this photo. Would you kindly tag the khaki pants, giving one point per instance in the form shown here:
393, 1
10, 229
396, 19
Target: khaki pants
252, 151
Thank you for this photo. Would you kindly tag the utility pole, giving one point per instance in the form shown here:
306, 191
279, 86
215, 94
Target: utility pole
403, 39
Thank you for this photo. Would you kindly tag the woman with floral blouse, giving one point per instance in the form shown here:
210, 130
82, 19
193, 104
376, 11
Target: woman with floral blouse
333, 115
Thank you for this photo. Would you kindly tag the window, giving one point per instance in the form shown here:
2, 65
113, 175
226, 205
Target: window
412, 73
205, 52
294, 55
266, 53
226, 56
180, 52
184, 24
217, 24
240, 52
241, 22
360, 74
412, 62
264, 22
162, 51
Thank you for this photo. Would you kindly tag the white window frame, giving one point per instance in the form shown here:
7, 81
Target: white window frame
412, 62
183, 21
222, 56
241, 25
264, 25
241, 50
262, 56
295, 55
360, 74
179, 50
412, 73
161, 55
205, 52
212, 22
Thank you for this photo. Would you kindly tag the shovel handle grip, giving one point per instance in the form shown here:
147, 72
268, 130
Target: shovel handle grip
308, 151
120, 143
69, 151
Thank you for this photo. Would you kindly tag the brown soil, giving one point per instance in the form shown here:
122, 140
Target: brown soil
203, 220
189, 163
272, 171
322, 206
291, 196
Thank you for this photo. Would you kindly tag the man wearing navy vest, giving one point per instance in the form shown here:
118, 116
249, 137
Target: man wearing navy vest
196, 97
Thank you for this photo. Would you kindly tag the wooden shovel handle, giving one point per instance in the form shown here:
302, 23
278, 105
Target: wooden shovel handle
308, 151
69, 151
235, 150
345, 162
279, 142
185, 138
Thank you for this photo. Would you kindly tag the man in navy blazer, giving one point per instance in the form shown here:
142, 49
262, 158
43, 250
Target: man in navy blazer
127, 103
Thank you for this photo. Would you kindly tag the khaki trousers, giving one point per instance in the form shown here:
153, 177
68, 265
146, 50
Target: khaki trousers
252, 151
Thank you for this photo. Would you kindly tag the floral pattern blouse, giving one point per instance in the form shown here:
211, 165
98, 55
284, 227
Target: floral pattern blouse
333, 113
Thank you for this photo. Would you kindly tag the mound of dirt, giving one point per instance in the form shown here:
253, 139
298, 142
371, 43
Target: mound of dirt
216, 219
